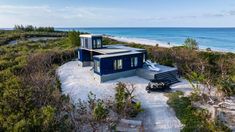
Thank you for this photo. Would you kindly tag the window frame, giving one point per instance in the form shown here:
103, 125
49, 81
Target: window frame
118, 64
86, 41
79, 55
134, 61
94, 44
144, 58
97, 66
98, 42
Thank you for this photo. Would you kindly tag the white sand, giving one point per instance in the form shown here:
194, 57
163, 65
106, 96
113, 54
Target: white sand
142, 41
77, 82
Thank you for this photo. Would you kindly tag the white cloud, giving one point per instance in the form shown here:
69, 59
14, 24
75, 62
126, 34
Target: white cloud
45, 15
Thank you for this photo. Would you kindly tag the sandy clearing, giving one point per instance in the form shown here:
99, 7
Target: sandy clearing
77, 82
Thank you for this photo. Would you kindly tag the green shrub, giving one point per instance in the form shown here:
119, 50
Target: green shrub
194, 119
191, 43
30, 99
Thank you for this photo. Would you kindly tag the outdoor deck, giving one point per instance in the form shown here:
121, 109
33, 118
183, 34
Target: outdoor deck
165, 72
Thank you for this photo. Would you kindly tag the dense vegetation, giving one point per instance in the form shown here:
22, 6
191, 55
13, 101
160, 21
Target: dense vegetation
31, 28
74, 38
30, 98
21, 34
194, 119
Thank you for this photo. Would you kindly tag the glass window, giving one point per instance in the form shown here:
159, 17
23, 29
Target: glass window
82, 43
98, 43
115, 65
118, 64
97, 66
134, 61
78, 55
86, 42
144, 59
94, 44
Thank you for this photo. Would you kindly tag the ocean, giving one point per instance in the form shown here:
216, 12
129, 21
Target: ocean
220, 39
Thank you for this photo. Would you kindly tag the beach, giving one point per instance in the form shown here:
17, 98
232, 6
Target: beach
217, 39
141, 41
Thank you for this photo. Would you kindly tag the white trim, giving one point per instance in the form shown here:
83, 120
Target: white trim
90, 35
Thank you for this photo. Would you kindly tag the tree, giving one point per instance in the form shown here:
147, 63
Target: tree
74, 38
120, 97
191, 44
124, 103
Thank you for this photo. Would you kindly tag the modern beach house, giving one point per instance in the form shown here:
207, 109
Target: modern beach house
111, 62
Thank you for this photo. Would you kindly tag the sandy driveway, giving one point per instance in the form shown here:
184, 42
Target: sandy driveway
77, 82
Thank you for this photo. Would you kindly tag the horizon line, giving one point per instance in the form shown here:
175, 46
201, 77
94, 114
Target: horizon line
124, 27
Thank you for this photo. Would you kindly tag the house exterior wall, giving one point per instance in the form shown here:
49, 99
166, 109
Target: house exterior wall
114, 76
107, 64
86, 55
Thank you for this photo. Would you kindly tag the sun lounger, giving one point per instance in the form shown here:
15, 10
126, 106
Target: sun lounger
152, 66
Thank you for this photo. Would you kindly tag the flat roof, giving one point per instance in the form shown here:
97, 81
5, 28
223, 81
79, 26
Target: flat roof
111, 51
90, 35
114, 55
114, 49
107, 50
121, 46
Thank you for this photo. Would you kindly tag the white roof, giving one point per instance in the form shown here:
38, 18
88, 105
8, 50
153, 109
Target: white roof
121, 46
114, 49
90, 35
114, 55
111, 51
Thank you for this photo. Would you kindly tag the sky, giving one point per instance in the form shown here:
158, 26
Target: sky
118, 13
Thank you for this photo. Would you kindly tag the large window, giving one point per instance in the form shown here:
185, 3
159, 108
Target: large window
97, 66
86, 42
98, 43
82, 42
118, 64
144, 58
94, 43
78, 55
134, 61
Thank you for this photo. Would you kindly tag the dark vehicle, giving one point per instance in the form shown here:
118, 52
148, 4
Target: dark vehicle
158, 85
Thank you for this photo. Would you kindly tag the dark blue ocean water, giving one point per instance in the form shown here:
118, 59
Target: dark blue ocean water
222, 39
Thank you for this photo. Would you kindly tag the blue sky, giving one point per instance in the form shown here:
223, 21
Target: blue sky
118, 13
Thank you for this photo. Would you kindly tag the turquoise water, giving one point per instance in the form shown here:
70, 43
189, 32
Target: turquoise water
222, 39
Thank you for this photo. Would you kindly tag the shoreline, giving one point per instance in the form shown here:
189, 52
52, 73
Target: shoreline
141, 41
149, 42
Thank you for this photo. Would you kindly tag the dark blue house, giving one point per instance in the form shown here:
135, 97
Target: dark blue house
109, 61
